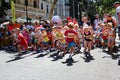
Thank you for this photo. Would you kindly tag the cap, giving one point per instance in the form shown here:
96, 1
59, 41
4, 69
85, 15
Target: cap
70, 24
96, 14
117, 2
76, 25
42, 29
110, 24
85, 26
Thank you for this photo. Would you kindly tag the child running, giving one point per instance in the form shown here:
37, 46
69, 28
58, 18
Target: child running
70, 38
21, 42
59, 40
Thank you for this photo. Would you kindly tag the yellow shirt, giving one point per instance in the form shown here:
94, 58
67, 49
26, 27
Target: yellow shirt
60, 36
45, 37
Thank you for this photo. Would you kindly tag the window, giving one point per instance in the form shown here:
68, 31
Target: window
34, 4
55, 11
47, 9
41, 6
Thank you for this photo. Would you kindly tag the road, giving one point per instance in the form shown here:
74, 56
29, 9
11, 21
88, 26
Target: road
32, 67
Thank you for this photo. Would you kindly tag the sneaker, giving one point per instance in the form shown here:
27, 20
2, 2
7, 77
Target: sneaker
85, 51
34, 52
70, 56
20, 54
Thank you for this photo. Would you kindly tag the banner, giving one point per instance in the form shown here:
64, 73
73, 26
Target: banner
13, 11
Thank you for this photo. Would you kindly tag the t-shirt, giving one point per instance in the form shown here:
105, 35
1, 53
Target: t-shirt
30, 27
96, 21
59, 36
26, 35
117, 11
45, 37
49, 35
70, 35
22, 40
105, 34
10, 28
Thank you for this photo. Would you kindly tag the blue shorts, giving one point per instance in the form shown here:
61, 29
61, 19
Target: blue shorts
45, 43
72, 44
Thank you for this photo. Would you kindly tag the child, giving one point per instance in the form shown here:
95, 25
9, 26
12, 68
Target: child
45, 39
111, 38
87, 39
21, 42
97, 37
59, 39
78, 31
36, 40
26, 34
104, 33
70, 38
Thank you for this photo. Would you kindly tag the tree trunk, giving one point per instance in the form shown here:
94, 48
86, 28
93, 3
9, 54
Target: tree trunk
52, 8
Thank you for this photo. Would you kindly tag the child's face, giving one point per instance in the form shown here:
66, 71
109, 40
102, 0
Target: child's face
43, 31
109, 27
58, 29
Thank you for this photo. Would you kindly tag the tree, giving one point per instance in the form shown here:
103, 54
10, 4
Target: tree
3, 8
52, 8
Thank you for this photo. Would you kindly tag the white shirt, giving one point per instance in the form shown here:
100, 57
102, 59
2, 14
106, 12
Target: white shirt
1, 26
96, 21
30, 27
117, 11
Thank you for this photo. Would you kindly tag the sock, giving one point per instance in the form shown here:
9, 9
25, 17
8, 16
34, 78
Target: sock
70, 56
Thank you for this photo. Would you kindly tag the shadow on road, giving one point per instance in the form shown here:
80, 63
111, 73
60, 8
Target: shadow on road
16, 58
41, 55
88, 57
69, 62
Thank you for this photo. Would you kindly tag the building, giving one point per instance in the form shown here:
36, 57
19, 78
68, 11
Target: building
38, 9
62, 8
45, 5
33, 10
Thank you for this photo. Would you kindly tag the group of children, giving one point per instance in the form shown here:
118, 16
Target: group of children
65, 38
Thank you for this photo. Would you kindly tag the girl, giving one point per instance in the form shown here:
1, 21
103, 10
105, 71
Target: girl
26, 34
78, 31
36, 40
45, 39
59, 40
87, 39
111, 38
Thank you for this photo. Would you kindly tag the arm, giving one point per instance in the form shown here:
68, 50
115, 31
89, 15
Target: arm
115, 24
118, 14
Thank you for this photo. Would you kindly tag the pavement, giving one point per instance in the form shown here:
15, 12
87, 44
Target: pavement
44, 67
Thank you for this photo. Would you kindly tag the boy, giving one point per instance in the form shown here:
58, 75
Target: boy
70, 38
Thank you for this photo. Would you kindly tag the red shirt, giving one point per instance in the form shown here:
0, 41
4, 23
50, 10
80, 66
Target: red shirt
22, 40
70, 34
105, 34
10, 28
49, 35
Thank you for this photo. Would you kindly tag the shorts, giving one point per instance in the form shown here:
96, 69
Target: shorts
34, 41
111, 40
72, 44
63, 45
105, 41
97, 38
45, 43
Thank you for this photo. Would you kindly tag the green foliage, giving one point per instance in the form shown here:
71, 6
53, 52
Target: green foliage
105, 6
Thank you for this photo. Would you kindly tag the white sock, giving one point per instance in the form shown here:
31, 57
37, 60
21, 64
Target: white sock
70, 56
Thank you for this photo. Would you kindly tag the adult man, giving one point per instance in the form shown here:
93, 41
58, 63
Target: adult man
117, 6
